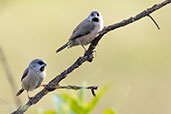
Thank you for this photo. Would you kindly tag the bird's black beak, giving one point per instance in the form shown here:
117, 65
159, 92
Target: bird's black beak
95, 19
45, 64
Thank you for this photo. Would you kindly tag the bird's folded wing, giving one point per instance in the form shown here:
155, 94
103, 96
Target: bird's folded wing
25, 74
84, 28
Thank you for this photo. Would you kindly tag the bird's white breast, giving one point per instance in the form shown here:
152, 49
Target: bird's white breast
31, 81
85, 40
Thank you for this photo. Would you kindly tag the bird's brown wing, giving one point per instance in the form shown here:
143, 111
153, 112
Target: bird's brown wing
84, 28
25, 74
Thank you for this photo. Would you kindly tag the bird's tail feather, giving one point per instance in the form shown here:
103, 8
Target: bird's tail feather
19, 92
61, 48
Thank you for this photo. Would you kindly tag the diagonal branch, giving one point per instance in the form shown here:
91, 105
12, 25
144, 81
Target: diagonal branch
9, 76
88, 56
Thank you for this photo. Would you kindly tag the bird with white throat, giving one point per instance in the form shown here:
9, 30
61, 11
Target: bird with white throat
86, 31
33, 76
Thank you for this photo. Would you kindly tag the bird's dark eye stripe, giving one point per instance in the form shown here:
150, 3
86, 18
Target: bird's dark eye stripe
92, 14
97, 14
40, 62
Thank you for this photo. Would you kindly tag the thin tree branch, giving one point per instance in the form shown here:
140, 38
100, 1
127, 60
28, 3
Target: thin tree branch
92, 88
88, 56
9, 75
77, 87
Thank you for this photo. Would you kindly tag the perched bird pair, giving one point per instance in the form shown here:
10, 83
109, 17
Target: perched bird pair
82, 35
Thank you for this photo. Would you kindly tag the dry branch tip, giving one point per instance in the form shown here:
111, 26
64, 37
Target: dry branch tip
154, 21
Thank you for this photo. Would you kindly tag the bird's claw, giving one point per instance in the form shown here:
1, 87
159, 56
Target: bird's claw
43, 85
31, 100
94, 51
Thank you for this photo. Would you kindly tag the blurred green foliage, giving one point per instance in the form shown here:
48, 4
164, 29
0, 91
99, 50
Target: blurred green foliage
75, 103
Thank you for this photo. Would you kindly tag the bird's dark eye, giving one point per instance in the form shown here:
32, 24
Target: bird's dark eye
92, 14
97, 14
40, 62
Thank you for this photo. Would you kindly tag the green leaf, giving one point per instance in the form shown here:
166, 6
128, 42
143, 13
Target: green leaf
92, 103
73, 103
109, 111
78, 109
81, 96
61, 105
50, 112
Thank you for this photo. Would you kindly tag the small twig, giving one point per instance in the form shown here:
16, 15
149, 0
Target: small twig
77, 87
93, 92
154, 21
92, 88
9, 75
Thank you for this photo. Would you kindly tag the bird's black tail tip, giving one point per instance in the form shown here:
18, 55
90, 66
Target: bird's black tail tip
61, 48
19, 92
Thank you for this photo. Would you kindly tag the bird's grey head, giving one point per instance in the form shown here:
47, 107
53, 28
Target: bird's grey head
37, 64
95, 16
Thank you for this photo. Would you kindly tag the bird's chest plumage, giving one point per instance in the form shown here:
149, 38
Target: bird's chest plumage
86, 39
33, 80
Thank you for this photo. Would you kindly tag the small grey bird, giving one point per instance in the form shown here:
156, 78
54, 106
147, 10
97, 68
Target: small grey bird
33, 76
86, 31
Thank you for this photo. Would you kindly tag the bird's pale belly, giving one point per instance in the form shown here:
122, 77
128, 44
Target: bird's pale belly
32, 82
84, 40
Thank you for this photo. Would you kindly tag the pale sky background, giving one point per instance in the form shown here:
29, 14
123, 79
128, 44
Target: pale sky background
136, 58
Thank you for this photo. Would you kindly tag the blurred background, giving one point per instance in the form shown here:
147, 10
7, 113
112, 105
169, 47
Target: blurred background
135, 58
